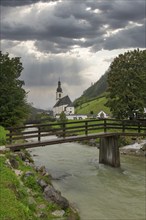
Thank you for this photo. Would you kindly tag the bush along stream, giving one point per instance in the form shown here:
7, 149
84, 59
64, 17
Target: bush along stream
27, 192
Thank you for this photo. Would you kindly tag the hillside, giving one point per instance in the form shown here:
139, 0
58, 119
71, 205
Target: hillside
35, 110
93, 106
93, 91
97, 88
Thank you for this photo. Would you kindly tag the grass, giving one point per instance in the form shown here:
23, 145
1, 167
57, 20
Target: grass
95, 106
12, 195
3, 133
16, 192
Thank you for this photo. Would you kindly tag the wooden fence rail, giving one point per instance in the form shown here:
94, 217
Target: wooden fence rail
74, 128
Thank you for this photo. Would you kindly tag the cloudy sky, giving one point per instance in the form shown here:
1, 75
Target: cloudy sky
74, 40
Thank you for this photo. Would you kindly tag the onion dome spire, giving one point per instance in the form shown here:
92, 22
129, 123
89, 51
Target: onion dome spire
59, 89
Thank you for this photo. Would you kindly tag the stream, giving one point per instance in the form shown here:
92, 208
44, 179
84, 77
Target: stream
97, 191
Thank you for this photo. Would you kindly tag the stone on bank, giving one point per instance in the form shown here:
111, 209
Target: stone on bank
40, 179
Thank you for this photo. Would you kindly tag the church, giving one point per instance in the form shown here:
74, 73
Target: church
63, 103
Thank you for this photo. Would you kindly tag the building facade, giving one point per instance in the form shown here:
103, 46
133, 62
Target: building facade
63, 104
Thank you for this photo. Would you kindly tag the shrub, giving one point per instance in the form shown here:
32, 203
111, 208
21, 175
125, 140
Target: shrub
2, 135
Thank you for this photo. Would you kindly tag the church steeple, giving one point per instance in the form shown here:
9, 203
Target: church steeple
59, 91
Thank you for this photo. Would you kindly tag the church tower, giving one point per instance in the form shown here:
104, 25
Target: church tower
59, 91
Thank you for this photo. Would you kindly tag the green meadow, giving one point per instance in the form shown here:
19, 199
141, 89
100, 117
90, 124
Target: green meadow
95, 106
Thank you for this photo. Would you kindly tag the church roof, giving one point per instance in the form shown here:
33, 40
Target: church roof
63, 101
70, 105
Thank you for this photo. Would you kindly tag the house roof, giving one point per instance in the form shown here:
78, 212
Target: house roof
102, 112
63, 101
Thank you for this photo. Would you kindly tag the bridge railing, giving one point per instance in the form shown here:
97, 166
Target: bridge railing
73, 128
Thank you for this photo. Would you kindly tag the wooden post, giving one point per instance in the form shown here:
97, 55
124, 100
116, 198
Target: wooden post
123, 126
86, 128
64, 129
139, 128
109, 151
10, 138
105, 128
39, 134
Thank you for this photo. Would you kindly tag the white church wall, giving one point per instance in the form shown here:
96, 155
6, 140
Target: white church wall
59, 109
69, 110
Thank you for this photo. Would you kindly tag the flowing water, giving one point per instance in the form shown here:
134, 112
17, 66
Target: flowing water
98, 192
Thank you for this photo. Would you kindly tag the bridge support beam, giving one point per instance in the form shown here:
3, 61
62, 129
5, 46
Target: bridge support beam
109, 151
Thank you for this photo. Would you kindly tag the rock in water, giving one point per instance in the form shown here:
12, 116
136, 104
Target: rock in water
55, 196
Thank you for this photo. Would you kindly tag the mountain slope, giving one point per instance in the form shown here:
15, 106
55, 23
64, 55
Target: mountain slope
98, 88
93, 91
93, 106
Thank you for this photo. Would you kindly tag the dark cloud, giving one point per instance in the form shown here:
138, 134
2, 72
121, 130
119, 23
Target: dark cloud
132, 37
59, 40
59, 29
127, 10
54, 46
13, 3
129, 38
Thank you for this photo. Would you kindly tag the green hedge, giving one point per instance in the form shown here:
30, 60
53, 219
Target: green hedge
3, 133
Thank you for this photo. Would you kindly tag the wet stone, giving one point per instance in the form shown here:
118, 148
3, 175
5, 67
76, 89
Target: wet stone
28, 173
14, 163
58, 213
51, 194
42, 183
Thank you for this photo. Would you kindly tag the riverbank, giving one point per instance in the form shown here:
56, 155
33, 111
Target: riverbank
136, 149
27, 191
128, 146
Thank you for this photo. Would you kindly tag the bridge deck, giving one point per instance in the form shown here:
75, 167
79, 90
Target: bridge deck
56, 140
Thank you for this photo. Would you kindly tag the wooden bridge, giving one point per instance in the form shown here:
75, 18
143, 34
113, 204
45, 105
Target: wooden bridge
108, 130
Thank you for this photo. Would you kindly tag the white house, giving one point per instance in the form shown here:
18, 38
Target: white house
63, 104
76, 117
73, 117
102, 114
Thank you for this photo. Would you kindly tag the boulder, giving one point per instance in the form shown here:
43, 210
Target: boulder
53, 195
22, 155
143, 147
3, 149
18, 172
42, 183
28, 173
25, 156
41, 215
58, 213
14, 163
41, 206
41, 170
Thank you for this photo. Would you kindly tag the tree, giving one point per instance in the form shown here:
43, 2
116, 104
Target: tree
127, 84
13, 105
62, 117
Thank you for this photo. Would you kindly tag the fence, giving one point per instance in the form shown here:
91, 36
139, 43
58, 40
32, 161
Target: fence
74, 128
